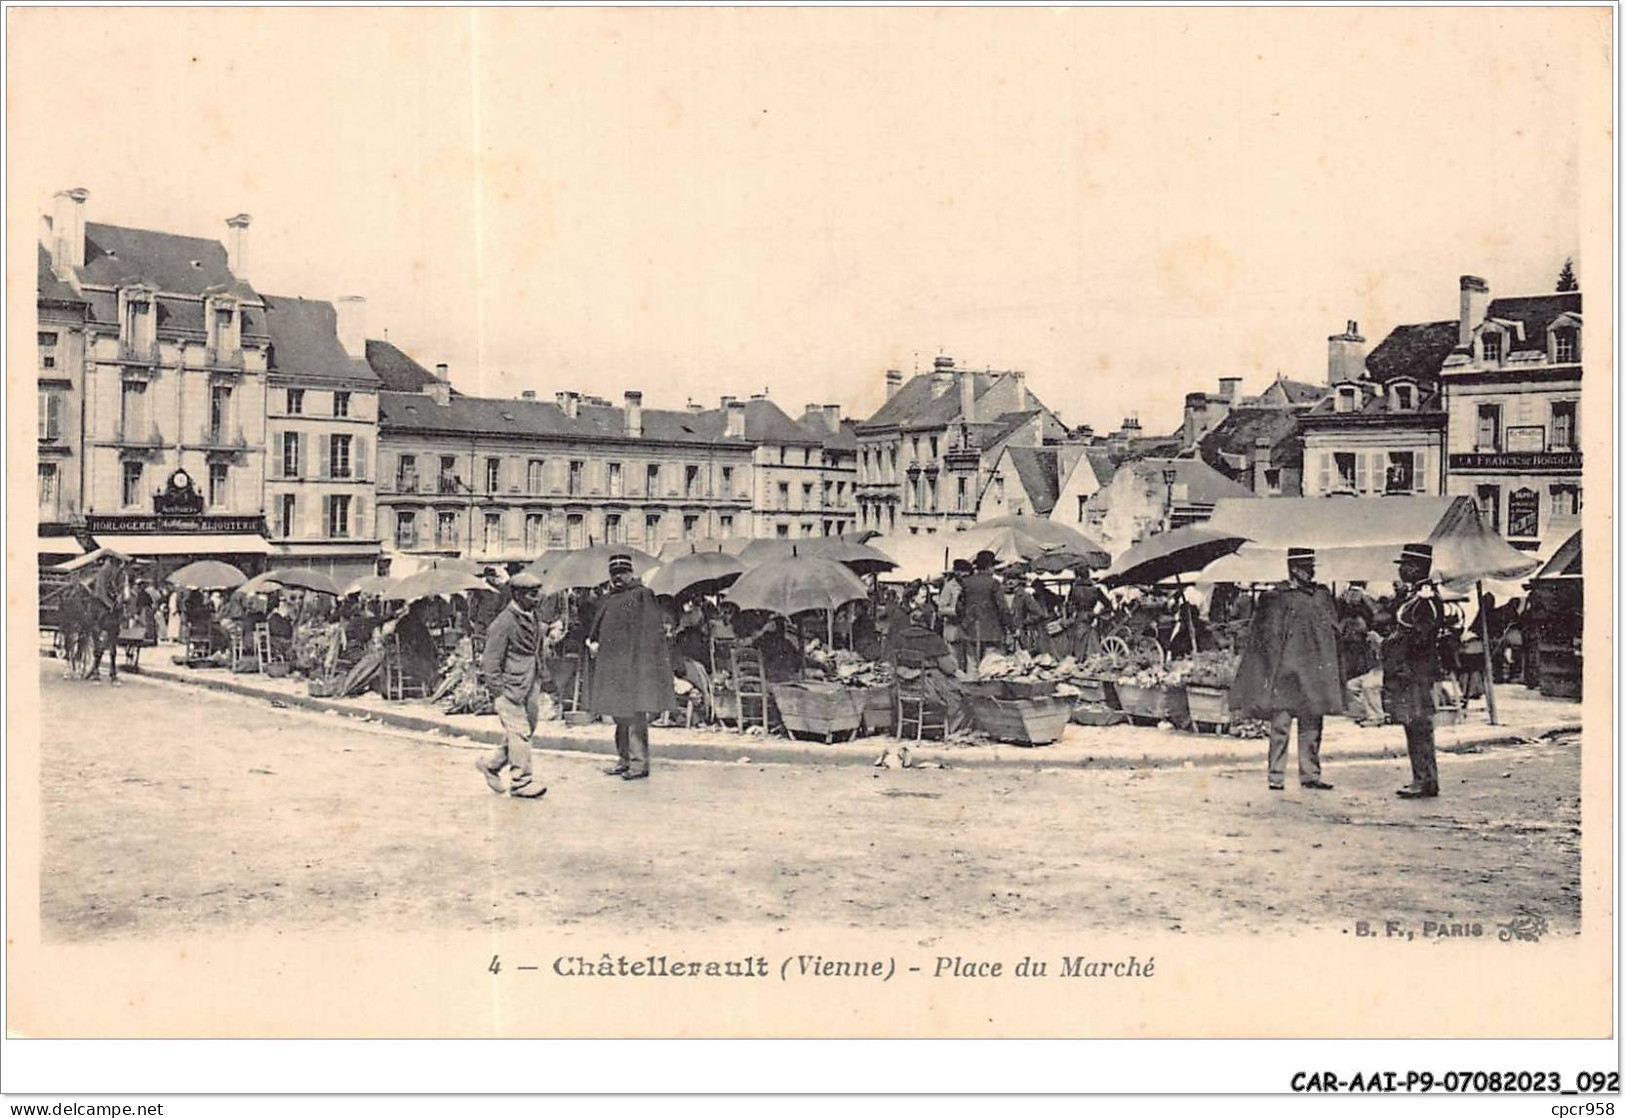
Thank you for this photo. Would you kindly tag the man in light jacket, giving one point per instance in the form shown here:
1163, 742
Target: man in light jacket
510, 667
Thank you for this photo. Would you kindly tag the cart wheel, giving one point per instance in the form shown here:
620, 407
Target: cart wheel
1115, 646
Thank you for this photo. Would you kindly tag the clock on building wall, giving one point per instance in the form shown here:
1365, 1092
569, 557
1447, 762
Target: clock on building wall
179, 497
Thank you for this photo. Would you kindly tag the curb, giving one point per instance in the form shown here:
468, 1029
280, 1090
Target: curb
780, 751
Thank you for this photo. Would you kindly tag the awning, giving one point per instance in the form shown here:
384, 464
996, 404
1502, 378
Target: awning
190, 544
60, 545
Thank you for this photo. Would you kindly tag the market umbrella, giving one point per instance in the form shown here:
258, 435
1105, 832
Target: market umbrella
291, 578
856, 557
586, 566
467, 566
370, 584
1169, 554
208, 574
433, 584
1049, 534
798, 584
703, 571
730, 545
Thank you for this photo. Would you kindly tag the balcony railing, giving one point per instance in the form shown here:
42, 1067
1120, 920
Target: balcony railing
224, 360
451, 484
138, 353
224, 438
136, 434
406, 483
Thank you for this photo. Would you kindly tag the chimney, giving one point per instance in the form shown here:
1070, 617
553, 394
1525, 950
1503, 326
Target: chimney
237, 245
1475, 301
634, 414
568, 402
1230, 390
1023, 402
967, 395
726, 400
528, 394
439, 390
68, 230
1260, 463
442, 373
832, 418
352, 323
736, 419
1345, 355
894, 381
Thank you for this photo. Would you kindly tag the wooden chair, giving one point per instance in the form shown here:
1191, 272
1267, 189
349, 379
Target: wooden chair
396, 685
243, 657
263, 655
199, 642
750, 682
917, 713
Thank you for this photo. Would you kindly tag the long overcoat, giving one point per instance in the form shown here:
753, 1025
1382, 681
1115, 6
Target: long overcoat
632, 672
1289, 659
1410, 658
982, 612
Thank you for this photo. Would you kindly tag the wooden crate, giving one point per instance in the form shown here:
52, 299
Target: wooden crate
1022, 721
1100, 691
1154, 704
1209, 706
823, 709
879, 711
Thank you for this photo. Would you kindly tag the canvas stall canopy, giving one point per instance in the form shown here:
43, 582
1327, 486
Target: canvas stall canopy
1357, 539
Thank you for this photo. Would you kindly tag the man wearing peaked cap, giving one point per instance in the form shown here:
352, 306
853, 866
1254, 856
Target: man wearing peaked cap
510, 666
1411, 666
1290, 668
631, 674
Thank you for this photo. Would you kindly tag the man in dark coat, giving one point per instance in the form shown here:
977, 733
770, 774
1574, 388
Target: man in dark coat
1289, 668
1410, 667
983, 616
510, 666
631, 675
107, 590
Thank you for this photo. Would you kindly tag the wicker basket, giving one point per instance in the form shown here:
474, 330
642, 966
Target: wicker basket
1209, 706
1022, 721
824, 709
1154, 704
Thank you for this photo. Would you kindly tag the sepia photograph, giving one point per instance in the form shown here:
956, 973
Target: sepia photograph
812, 523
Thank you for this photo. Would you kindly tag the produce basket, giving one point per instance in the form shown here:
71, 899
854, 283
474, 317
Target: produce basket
1022, 721
877, 704
1209, 706
1026, 689
1096, 714
824, 709
1100, 691
1154, 704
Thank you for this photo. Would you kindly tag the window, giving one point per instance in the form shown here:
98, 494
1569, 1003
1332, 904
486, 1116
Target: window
575, 530
406, 474
338, 456
784, 456
406, 529
535, 532
577, 469
725, 525
727, 481
914, 449
690, 524
1491, 346
131, 494
615, 485
808, 530
290, 454
219, 413
651, 528
1347, 398
931, 492
493, 474
1565, 501
50, 415
998, 489
448, 473
296, 401
341, 404
828, 493
1489, 506
1272, 480
533, 476
613, 531
806, 495
691, 480
1347, 468
223, 340
133, 409
1566, 346
962, 497
219, 490
784, 495
338, 518
47, 349
137, 319
1489, 427
493, 532
445, 529
782, 531
1404, 397
933, 446
285, 510
1081, 501
651, 480
47, 489
1564, 421
1401, 476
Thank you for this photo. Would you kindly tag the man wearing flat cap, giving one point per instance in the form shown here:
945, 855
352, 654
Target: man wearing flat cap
631, 675
1289, 668
1410, 666
510, 665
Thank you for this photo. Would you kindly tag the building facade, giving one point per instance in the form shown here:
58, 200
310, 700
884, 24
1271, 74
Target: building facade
1150, 495
62, 336
1512, 394
322, 431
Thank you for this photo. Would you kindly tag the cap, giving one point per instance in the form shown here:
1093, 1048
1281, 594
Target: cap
1296, 554
620, 563
524, 580
1419, 552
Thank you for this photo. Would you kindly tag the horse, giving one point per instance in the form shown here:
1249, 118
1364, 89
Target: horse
78, 613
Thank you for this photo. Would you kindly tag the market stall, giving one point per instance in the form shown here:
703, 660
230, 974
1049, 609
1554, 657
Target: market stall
1556, 616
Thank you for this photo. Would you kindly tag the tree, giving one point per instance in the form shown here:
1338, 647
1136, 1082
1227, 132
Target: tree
1566, 279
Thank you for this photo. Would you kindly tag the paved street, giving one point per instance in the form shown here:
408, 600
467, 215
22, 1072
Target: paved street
169, 809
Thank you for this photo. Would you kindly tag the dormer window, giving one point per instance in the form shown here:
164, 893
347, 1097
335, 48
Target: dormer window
1404, 396
136, 319
1348, 398
1566, 345
1490, 347
224, 324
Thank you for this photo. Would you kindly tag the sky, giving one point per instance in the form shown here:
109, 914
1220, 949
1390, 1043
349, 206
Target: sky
1125, 203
